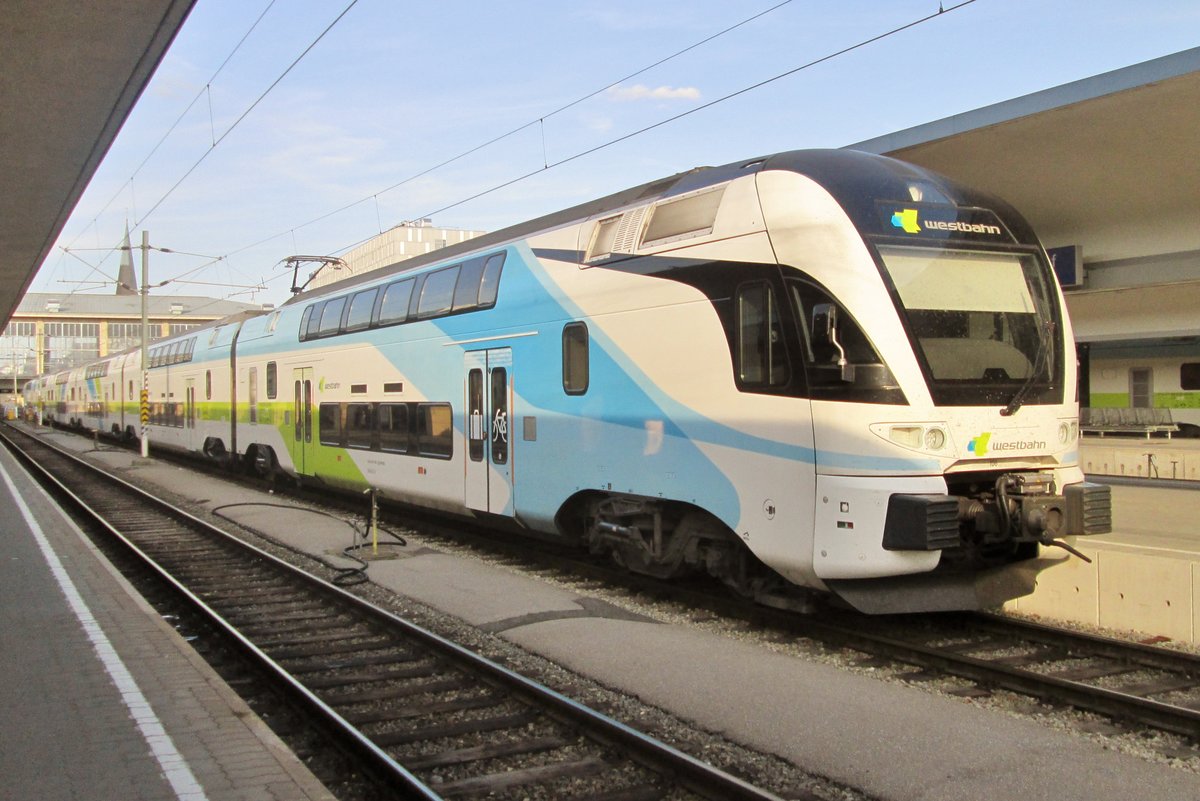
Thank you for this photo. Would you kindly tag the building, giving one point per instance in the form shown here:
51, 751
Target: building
404, 241
51, 332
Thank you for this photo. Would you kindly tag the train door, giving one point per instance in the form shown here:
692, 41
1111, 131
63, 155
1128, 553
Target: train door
189, 413
489, 472
302, 419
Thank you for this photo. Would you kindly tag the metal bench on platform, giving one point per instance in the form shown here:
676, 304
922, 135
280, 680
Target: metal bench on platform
1139, 421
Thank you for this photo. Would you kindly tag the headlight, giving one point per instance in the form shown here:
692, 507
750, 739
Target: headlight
928, 437
935, 439
908, 436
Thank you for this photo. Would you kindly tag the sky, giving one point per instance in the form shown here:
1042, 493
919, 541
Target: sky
281, 127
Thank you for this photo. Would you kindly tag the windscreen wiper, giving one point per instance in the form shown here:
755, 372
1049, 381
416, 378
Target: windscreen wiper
1043, 356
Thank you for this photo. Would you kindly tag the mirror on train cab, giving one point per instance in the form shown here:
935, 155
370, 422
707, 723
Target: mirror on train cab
825, 333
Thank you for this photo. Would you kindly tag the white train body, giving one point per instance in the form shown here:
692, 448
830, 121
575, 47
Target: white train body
837, 366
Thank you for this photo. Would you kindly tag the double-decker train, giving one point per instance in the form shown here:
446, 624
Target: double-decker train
818, 371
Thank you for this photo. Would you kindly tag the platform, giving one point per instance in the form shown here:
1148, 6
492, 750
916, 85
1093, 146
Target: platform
102, 699
893, 741
1176, 458
1145, 575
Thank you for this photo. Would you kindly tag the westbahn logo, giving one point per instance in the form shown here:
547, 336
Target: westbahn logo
906, 219
941, 220
983, 445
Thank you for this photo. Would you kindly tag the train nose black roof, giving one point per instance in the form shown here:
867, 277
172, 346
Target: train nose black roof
858, 180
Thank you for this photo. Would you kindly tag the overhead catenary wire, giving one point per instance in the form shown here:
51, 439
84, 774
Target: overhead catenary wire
205, 90
942, 11
547, 164
246, 113
216, 140
540, 120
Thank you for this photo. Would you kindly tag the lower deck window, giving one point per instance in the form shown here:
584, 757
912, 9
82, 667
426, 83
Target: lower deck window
393, 427
329, 423
425, 429
360, 425
435, 429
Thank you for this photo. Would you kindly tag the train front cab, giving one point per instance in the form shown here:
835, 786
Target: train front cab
943, 404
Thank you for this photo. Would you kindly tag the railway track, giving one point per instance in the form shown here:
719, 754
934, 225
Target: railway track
1132, 683
426, 717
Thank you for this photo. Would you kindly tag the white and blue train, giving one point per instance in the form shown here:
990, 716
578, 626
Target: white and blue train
820, 371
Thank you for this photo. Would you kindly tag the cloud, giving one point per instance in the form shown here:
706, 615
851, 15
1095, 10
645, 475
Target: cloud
642, 92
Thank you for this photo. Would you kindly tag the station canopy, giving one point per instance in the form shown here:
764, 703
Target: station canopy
70, 72
1108, 163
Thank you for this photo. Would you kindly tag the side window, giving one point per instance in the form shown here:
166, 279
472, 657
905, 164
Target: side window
312, 324
466, 292
329, 423
761, 355
393, 427
304, 322
253, 394
476, 427
852, 339
360, 425
361, 306
394, 308
575, 367
435, 430
207, 385
437, 295
499, 415
272, 380
865, 378
331, 316
1189, 375
490, 284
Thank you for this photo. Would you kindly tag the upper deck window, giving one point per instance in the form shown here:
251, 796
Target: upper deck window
361, 305
693, 215
437, 295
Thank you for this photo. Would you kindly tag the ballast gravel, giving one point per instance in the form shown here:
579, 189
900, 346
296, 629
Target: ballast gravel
763, 770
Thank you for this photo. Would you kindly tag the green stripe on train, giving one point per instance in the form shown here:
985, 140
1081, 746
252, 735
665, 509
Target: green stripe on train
1162, 400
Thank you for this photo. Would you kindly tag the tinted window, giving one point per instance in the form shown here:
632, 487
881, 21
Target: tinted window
434, 429
360, 425
575, 366
272, 380
304, 322
437, 296
761, 357
394, 308
1189, 375
361, 306
331, 316
314, 321
329, 422
466, 293
491, 279
499, 415
393, 427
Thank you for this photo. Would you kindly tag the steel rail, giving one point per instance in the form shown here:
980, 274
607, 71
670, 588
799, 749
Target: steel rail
365, 748
689, 772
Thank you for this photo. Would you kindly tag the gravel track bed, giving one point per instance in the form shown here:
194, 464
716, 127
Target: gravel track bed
763, 770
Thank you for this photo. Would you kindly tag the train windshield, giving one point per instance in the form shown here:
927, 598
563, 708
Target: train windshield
985, 323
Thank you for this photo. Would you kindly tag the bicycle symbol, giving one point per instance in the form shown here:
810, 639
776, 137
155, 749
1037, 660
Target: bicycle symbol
500, 426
